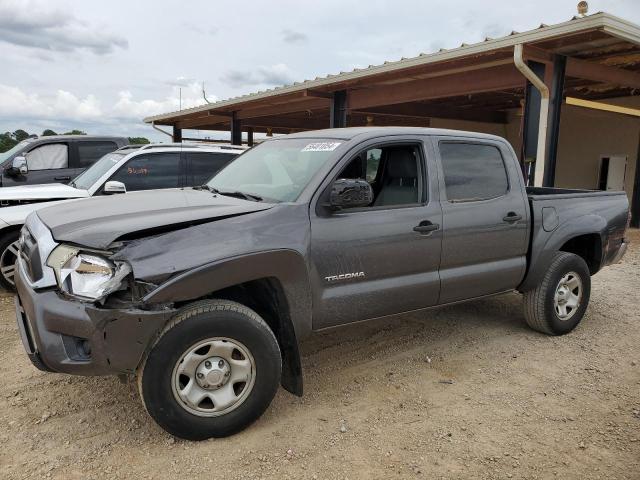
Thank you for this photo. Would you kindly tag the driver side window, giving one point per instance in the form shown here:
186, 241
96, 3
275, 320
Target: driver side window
393, 171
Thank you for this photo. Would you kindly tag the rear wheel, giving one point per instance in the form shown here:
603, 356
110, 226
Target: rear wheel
213, 371
558, 303
8, 258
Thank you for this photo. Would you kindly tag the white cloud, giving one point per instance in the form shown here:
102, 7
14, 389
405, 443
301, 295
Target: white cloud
33, 25
128, 107
15, 102
278, 74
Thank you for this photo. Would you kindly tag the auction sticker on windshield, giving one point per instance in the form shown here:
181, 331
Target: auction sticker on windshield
321, 147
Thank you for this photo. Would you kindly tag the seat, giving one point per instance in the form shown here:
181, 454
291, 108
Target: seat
400, 180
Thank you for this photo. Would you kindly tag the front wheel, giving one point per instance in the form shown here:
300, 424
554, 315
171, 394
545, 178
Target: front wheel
558, 303
8, 258
213, 371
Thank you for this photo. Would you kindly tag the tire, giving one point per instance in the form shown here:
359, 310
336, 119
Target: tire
200, 335
543, 312
8, 258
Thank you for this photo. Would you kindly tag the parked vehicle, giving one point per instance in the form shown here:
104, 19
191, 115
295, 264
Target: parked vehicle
204, 294
56, 158
130, 168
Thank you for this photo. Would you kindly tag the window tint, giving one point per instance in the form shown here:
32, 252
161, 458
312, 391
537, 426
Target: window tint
392, 171
473, 171
204, 165
48, 157
90, 152
146, 172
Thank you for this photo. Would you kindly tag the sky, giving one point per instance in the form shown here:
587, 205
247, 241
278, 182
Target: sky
103, 66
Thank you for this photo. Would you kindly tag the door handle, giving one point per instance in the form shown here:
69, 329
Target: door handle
426, 227
62, 178
512, 217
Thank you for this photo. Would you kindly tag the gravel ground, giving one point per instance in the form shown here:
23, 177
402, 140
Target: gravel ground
463, 392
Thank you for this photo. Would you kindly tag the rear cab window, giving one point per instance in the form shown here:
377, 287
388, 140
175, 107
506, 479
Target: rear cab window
472, 171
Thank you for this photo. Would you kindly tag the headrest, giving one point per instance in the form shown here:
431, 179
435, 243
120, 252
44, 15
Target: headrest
401, 163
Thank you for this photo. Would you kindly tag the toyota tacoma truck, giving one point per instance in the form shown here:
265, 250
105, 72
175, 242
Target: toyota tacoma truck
203, 294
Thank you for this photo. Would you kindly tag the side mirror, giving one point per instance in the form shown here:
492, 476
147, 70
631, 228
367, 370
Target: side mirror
112, 187
350, 193
19, 166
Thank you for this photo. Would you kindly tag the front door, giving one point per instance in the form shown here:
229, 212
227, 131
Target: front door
381, 259
484, 218
48, 163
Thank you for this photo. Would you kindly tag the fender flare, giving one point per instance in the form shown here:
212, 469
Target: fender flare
286, 266
546, 244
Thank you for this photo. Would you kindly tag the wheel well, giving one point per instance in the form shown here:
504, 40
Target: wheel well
266, 297
589, 247
10, 229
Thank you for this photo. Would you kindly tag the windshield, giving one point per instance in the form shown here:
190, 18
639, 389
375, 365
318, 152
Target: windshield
276, 170
5, 155
92, 174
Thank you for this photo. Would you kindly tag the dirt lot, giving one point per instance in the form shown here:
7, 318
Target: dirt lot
464, 392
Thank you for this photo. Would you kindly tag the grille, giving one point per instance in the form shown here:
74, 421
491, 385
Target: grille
30, 255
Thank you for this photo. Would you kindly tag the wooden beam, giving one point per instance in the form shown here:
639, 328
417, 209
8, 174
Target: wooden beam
602, 73
194, 123
270, 110
496, 78
607, 107
318, 94
429, 111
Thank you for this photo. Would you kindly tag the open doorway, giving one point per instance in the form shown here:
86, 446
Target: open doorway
613, 169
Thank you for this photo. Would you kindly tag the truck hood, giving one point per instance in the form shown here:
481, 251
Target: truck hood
49, 191
99, 221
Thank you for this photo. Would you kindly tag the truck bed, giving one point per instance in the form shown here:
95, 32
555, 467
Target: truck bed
559, 213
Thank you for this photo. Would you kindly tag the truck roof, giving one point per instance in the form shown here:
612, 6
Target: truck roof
79, 137
349, 133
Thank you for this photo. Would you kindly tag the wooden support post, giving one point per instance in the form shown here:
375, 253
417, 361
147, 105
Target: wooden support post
236, 130
250, 136
531, 123
177, 134
555, 107
338, 111
635, 196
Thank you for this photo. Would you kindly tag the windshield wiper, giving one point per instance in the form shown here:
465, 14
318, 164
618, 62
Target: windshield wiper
231, 193
72, 184
239, 194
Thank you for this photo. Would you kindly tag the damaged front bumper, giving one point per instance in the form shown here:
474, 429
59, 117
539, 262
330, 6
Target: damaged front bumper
64, 335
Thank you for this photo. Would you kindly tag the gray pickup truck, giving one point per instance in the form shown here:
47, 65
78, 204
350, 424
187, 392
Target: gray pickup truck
204, 293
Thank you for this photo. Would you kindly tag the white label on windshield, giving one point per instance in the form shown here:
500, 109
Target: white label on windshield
321, 147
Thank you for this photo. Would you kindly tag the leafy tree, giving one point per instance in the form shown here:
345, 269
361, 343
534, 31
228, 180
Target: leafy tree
48, 133
7, 141
75, 132
20, 135
138, 140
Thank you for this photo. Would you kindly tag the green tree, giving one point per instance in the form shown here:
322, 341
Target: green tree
48, 133
20, 135
138, 140
7, 141
75, 132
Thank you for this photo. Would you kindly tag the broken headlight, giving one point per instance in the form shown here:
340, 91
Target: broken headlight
88, 275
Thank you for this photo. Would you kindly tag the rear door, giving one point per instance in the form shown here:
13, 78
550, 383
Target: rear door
201, 166
47, 163
88, 152
373, 261
485, 219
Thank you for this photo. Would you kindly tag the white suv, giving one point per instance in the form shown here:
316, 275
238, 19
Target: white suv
129, 168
